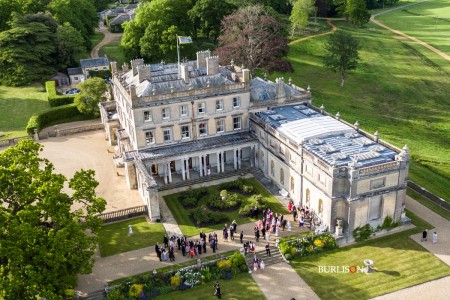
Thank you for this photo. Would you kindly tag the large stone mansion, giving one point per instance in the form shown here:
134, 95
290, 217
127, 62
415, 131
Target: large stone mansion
178, 123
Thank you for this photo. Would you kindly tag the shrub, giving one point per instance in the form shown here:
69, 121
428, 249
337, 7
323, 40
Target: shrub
237, 260
319, 243
175, 281
191, 197
288, 256
135, 290
202, 215
247, 188
362, 233
53, 116
215, 200
53, 98
224, 264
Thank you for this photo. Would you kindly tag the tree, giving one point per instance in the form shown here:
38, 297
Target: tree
92, 92
301, 11
253, 38
70, 45
208, 14
44, 240
341, 53
27, 50
357, 11
81, 14
152, 25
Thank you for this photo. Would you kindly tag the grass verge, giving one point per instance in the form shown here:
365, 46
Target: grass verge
427, 203
114, 238
114, 52
400, 262
188, 227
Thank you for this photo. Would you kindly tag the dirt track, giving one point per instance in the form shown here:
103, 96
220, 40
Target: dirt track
108, 39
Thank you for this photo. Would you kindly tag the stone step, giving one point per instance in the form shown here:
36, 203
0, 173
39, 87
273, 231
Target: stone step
275, 257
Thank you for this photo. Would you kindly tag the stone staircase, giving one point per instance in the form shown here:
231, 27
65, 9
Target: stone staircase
203, 179
275, 257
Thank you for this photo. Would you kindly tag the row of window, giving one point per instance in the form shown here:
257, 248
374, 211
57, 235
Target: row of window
186, 130
184, 112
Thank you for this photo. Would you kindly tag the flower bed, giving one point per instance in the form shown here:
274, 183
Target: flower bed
306, 245
152, 285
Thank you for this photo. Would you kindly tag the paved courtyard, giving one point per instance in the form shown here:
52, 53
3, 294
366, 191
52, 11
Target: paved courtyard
89, 150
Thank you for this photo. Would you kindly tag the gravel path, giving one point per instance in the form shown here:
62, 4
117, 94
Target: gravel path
108, 39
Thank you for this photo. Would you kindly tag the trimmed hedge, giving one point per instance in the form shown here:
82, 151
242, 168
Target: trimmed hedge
53, 98
54, 115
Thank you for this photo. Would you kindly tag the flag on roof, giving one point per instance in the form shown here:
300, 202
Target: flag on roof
184, 40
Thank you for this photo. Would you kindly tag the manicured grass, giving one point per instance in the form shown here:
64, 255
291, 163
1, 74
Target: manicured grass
397, 90
17, 105
427, 203
399, 261
114, 52
428, 21
114, 238
241, 287
188, 227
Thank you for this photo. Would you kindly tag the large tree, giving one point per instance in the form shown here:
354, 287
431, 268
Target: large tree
250, 36
341, 53
47, 237
357, 11
301, 11
70, 45
147, 35
27, 50
208, 14
92, 92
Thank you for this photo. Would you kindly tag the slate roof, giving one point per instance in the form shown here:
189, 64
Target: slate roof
332, 141
122, 18
94, 62
74, 71
192, 146
263, 90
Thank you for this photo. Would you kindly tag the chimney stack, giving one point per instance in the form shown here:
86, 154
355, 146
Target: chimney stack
113, 67
134, 65
246, 76
281, 92
184, 72
212, 65
201, 58
144, 72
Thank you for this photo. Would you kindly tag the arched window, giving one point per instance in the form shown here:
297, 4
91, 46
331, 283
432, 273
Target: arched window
320, 210
292, 183
282, 176
272, 168
308, 197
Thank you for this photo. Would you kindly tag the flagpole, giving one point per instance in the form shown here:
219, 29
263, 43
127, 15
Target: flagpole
178, 54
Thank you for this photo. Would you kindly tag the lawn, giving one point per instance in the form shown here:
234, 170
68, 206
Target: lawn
399, 261
428, 21
241, 287
114, 238
397, 90
114, 52
17, 105
187, 226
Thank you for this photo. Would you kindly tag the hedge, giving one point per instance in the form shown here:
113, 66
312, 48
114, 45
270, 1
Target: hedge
53, 98
54, 115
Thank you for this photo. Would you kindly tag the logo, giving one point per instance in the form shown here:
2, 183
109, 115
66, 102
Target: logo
341, 269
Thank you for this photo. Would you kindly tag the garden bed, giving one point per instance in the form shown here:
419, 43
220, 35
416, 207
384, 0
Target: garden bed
190, 226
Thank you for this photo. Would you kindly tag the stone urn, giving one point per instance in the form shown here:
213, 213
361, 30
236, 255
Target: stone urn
339, 227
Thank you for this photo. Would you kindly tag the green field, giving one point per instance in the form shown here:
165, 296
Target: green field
428, 21
396, 90
17, 105
399, 261
114, 238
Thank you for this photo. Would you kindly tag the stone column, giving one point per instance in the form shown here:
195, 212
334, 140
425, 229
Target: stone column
130, 173
169, 172
200, 165
183, 171
218, 161
252, 156
205, 167
223, 161
239, 154
187, 169
235, 159
165, 172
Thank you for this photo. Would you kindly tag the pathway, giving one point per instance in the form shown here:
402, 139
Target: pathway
426, 45
333, 29
436, 289
108, 39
